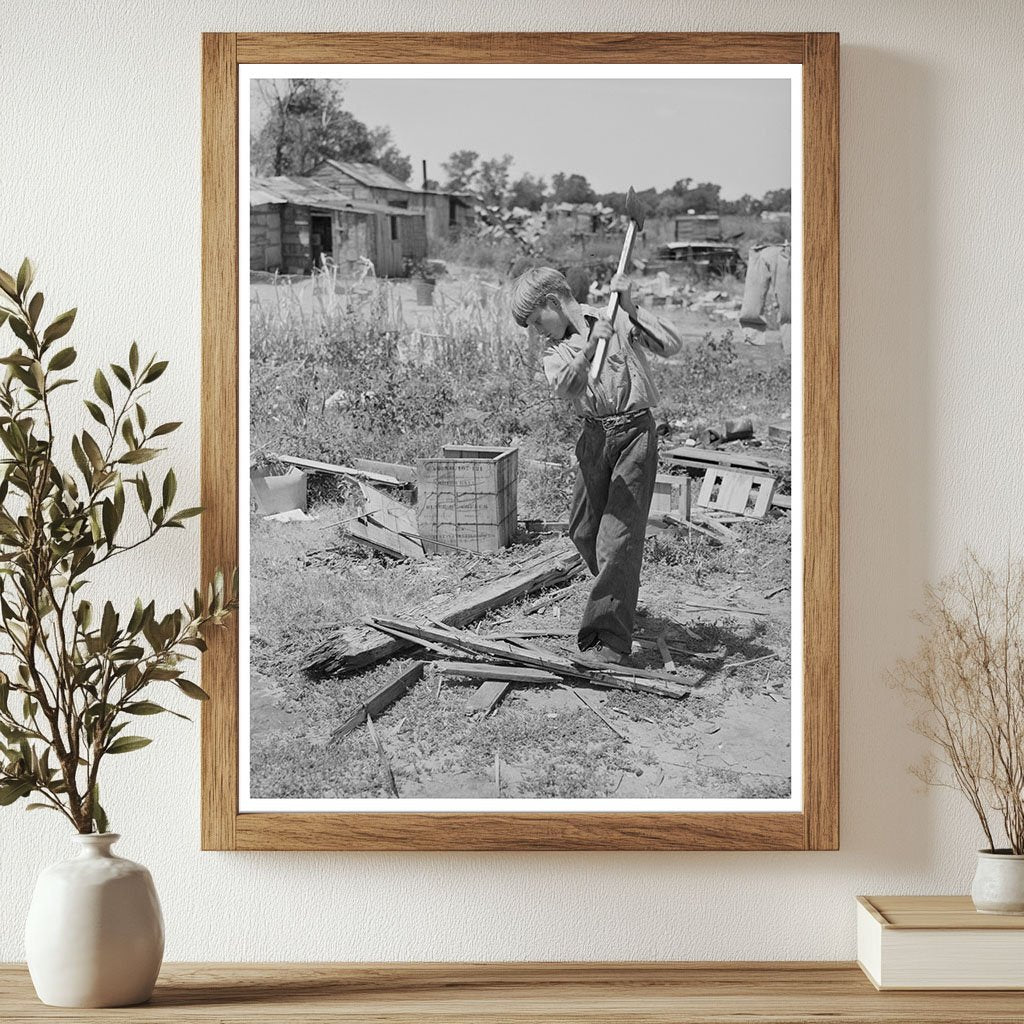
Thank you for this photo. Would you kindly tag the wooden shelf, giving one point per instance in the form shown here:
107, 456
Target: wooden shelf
631, 993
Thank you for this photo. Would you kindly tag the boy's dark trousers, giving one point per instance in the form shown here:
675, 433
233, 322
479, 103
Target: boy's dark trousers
618, 464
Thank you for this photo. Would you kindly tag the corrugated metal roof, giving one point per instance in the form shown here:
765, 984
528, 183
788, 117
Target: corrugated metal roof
310, 192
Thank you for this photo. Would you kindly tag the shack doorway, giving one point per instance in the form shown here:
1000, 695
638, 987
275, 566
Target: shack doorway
321, 241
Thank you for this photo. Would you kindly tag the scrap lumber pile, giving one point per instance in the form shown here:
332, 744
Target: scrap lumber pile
386, 524
512, 661
734, 487
495, 665
465, 500
350, 648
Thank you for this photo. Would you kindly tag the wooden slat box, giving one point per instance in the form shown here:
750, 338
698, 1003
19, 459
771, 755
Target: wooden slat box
468, 498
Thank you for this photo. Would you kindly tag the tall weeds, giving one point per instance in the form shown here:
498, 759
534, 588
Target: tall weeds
338, 371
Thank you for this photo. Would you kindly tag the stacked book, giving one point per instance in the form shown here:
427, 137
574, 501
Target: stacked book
938, 942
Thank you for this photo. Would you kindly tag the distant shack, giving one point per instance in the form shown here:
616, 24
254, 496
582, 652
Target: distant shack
698, 227
446, 213
297, 222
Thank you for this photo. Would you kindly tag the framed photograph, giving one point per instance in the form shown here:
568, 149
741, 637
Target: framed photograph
520, 418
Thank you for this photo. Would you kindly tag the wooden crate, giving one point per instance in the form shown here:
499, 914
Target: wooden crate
671, 496
736, 491
467, 498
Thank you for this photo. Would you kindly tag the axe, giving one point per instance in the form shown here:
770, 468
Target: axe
635, 212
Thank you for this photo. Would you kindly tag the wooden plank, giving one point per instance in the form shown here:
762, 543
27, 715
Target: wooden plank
387, 470
351, 648
778, 992
765, 491
393, 516
723, 608
516, 634
328, 467
545, 526
389, 775
704, 458
716, 532
487, 696
383, 698
521, 47
590, 707
368, 528
548, 600
503, 673
821, 440
610, 676
666, 655
219, 431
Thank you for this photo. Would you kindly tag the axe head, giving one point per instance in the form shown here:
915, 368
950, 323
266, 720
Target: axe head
634, 208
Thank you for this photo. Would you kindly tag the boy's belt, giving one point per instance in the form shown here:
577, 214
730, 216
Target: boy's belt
618, 419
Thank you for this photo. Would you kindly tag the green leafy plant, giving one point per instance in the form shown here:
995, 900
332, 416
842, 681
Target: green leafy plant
81, 673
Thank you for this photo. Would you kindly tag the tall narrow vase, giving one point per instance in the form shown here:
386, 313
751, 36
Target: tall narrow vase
95, 934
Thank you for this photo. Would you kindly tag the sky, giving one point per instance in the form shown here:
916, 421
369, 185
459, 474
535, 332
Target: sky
640, 132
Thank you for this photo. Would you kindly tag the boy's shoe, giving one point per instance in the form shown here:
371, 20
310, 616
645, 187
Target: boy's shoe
601, 654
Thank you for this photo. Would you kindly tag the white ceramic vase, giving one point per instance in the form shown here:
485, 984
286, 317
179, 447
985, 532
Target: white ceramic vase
95, 934
999, 883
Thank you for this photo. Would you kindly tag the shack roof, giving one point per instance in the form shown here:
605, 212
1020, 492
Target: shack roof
310, 192
370, 175
376, 177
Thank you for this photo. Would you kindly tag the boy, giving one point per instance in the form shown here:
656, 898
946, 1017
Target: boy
617, 452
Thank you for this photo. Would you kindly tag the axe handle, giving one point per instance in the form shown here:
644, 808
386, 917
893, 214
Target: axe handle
601, 351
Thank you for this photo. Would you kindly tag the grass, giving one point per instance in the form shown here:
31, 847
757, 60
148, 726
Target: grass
344, 369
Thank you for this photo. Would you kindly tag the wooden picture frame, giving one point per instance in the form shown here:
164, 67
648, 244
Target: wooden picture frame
816, 826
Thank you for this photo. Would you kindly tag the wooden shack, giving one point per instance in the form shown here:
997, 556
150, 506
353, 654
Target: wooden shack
445, 213
295, 224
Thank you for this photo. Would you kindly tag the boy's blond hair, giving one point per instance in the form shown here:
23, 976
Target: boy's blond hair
531, 288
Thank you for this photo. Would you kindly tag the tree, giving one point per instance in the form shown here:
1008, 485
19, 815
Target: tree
671, 205
780, 199
492, 180
571, 188
461, 170
616, 200
307, 123
528, 192
387, 155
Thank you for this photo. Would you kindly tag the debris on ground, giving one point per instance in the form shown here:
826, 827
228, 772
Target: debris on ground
293, 515
278, 493
383, 479
349, 648
501, 655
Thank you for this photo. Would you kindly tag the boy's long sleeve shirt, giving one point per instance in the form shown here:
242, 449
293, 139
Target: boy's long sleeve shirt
625, 383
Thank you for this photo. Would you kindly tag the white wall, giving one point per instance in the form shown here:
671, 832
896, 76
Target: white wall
100, 182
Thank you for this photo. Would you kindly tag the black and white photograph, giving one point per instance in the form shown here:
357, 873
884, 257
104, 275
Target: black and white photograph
520, 380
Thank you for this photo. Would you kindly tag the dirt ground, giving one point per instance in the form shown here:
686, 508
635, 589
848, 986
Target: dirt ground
723, 610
